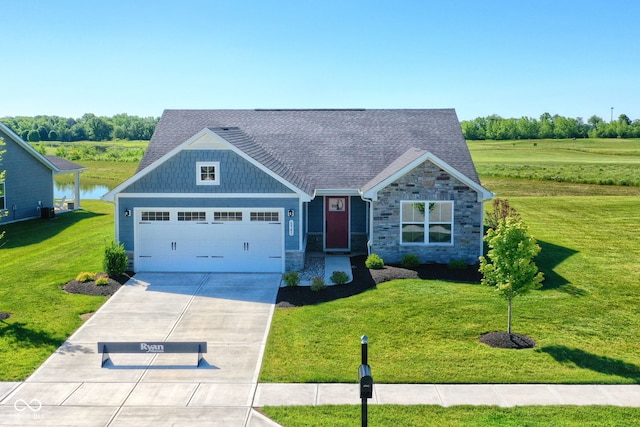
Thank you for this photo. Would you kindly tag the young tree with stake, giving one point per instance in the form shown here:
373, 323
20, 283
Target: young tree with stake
509, 262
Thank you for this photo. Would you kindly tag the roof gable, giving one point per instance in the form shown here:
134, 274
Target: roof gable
28, 148
220, 139
406, 163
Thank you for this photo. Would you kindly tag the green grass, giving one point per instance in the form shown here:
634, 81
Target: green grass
427, 331
101, 145
457, 416
100, 172
38, 257
606, 162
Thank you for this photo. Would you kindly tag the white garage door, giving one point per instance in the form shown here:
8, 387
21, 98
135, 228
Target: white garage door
209, 240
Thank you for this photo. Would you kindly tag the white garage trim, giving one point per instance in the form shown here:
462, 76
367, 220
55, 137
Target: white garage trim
209, 239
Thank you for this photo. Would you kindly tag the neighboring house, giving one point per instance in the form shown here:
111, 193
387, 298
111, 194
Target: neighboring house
28, 183
254, 190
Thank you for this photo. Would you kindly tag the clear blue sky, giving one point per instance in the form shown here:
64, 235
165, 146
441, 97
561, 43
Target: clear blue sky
512, 58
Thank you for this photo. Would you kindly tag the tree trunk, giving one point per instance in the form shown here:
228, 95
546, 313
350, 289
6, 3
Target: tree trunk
509, 315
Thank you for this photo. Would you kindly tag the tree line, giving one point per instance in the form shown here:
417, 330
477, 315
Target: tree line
89, 127
548, 126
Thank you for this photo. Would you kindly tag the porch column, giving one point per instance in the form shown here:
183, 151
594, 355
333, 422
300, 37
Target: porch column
77, 190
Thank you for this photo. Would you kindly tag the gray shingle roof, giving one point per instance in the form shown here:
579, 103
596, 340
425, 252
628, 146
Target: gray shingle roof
323, 149
64, 165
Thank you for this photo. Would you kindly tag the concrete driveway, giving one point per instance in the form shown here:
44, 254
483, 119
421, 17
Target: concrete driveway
231, 312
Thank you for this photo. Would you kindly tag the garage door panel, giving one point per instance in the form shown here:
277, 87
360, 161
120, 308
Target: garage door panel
210, 246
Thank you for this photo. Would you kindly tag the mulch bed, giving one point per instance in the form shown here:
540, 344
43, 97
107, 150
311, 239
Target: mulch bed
364, 279
90, 288
500, 339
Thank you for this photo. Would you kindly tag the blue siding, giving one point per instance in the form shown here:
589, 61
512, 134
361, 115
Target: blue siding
358, 215
178, 175
316, 215
126, 222
27, 182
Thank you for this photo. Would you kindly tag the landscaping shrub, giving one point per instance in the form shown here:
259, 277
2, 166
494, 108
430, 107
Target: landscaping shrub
410, 261
291, 278
317, 284
339, 277
115, 259
102, 279
457, 264
85, 276
374, 261
501, 209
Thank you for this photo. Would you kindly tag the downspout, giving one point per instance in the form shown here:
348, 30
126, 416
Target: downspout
482, 200
369, 221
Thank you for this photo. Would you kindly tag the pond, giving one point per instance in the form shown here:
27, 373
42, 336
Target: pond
87, 191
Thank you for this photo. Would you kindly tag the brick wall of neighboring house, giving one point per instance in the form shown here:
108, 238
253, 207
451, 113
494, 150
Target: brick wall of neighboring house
428, 182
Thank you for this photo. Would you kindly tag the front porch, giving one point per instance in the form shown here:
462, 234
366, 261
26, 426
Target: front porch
65, 167
320, 264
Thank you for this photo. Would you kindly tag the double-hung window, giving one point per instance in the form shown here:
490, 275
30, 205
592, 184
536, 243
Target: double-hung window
426, 222
207, 173
2, 197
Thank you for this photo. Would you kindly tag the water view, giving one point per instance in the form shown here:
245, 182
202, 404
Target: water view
87, 191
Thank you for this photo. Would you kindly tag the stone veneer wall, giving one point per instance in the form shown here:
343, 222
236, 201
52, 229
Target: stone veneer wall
294, 260
428, 182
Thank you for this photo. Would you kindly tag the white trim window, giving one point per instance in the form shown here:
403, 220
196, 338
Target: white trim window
419, 227
207, 173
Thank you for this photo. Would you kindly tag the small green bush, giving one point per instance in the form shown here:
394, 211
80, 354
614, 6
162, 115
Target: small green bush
457, 264
339, 277
102, 280
85, 276
374, 261
115, 259
291, 278
410, 261
317, 284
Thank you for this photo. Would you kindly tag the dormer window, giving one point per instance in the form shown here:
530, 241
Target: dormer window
208, 173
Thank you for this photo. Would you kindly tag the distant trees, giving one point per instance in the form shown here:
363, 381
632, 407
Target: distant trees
548, 126
88, 127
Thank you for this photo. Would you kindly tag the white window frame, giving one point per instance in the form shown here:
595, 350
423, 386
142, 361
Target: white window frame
427, 223
216, 171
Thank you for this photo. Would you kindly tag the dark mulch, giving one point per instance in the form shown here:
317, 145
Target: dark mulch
90, 288
4, 315
499, 339
364, 279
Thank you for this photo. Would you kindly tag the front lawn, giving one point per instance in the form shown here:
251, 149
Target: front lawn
457, 416
38, 257
584, 319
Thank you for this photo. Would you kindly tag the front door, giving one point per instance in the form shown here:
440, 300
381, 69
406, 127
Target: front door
336, 211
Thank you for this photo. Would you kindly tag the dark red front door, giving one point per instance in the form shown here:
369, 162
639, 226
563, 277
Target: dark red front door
336, 211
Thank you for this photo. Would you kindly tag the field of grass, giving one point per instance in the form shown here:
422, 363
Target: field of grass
110, 173
610, 162
459, 416
38, 257
99, 172
51, 146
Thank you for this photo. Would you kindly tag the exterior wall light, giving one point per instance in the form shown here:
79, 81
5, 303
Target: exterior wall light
127, 212
290, 213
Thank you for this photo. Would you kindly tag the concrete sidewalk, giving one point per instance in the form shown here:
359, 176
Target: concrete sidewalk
505, 395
